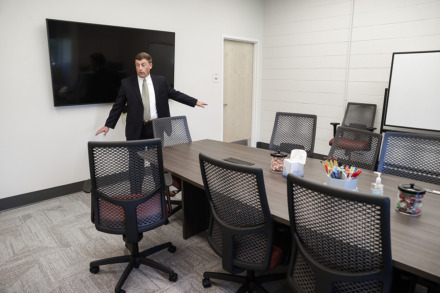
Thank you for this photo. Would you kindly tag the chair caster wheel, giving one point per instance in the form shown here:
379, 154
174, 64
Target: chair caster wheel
172, 249
119, 291
94, 270
206, 283
137, 263
173, 277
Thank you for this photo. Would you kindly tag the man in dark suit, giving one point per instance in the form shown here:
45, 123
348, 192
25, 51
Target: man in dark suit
146, 97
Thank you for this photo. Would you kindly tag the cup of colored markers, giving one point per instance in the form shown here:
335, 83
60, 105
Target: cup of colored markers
344, 177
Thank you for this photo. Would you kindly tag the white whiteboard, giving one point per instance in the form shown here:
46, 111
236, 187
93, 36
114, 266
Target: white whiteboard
414, 91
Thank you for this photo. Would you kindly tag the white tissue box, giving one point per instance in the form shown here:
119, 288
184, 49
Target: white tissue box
286, 167
296, 163
290, 166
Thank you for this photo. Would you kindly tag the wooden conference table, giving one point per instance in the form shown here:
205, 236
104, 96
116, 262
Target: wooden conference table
415, 241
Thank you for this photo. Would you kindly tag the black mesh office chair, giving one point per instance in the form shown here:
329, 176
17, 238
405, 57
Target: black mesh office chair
293, 131
410, 155
172, 131
357, 115
241, 228
356, 147
341, 239
128, 199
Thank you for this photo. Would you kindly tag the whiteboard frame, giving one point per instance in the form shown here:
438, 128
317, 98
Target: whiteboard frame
386, 126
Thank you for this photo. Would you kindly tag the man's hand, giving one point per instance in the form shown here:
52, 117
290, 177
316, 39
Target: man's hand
103, 129
201, 104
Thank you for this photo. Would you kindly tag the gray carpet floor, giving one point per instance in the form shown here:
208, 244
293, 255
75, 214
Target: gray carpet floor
47, 247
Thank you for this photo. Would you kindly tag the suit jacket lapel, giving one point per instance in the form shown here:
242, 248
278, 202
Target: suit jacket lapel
135, 85
156, 90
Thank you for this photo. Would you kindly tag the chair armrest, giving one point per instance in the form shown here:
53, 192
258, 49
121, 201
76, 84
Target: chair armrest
335, 124
262, 145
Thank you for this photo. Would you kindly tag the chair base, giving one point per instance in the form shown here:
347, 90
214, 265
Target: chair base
250, 282
135, 259
177, 208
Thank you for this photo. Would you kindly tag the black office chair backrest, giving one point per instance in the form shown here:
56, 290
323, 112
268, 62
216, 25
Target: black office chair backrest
293, 131
410, 155
171, 130
127, 186
359, 115
356, 147
341, 239
240, 229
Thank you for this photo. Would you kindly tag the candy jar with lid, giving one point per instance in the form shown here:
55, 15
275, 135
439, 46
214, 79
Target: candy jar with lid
277, 162
409, 199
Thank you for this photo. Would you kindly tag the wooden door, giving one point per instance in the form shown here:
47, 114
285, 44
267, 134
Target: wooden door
237, 91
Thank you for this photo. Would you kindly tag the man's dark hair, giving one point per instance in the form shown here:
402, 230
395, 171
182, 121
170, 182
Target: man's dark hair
143, 55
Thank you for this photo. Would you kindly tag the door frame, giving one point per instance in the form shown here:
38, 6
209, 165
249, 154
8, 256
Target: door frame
255, 85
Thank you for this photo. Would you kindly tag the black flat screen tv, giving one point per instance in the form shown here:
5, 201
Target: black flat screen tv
88, 61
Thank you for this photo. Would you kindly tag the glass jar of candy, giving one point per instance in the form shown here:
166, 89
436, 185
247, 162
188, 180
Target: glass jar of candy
277, 162
409, 199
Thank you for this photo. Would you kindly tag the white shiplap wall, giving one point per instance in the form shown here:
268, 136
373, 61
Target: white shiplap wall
319, 54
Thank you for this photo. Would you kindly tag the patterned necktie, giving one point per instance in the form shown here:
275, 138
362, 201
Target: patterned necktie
146, 100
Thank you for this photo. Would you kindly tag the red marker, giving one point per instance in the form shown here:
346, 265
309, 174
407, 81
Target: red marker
355, 174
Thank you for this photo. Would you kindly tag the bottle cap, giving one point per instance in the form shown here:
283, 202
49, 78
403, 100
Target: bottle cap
378, 179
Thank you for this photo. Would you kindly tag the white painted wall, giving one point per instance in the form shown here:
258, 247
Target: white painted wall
319, 54
42, 146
